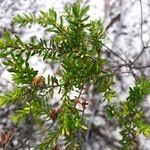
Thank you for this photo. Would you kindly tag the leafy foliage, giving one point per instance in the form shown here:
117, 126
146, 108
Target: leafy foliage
77, 46
130, 116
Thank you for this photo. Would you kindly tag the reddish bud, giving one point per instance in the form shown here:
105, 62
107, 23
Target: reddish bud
57, 147
37, 81
54, 114
5, 137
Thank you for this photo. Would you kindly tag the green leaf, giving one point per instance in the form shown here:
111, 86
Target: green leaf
84, 11
24, 19
2, 45
18, 117
146, 132
48, 79
76, 9
110, 111
6, 35
2, 101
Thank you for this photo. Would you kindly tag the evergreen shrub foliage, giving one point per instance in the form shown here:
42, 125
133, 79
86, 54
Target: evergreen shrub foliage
77, 47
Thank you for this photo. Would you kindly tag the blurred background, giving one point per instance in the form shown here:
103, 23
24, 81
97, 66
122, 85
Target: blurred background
127, 49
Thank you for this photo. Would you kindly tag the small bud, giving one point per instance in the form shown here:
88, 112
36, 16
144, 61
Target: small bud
5, 137
54, 114
37, 81
56, 147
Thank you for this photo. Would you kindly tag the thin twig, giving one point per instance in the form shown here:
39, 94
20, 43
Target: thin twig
113, 20
141, 35
141, 24
113, 52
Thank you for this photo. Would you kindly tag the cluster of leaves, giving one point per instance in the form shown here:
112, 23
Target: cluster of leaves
129, 115
77, 46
